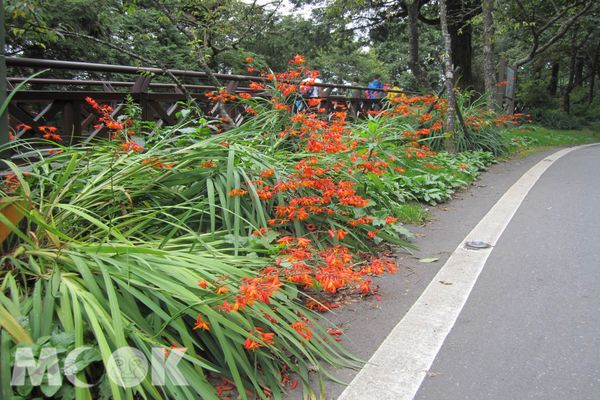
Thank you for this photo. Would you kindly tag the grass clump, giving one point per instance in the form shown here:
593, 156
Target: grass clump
412, 213
527, 140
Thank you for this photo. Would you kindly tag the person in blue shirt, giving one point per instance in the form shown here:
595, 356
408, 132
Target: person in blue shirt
375, 84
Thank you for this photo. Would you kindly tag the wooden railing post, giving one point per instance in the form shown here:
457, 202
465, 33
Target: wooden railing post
4, 115
232, 109
72, 121
140, 89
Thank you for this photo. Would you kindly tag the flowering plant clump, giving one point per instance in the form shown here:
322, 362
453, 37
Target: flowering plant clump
227, 242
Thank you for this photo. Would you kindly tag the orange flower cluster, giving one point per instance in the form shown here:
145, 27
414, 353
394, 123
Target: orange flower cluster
298, 59
130, 146
115, 127
267, 339
329, 194
280, 106
208, 164
236, 192
259, 289
329, 269
256, 86
49, 133
156, 163
376, 167
201, 324
222, 96
417, 150
477, 122
106, 116
250, 110
302, 329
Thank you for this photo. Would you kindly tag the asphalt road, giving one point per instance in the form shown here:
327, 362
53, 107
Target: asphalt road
531, 326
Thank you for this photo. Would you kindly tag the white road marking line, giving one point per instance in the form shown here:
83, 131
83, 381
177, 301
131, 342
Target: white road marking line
399, 365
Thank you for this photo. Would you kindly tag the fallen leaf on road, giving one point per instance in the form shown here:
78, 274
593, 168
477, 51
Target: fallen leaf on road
428, 260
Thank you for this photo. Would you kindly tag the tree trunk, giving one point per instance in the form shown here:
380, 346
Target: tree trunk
553, 85
412, 9
579, 63
594, 69
571, 83
449, 76
489, 66
460, 32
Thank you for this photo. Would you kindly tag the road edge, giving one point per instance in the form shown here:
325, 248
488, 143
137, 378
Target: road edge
398, 367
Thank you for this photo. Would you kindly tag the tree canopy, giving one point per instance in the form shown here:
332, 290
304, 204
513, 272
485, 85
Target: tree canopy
554, 45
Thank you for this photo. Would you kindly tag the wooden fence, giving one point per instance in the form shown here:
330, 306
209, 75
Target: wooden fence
61, 101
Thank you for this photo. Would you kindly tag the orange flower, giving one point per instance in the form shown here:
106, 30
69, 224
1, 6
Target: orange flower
286, 240
222, 290
130, 146
251, 345
250, 110
249, 59
365, 287
390, 220
260, 232
208, 164
203, 284
425, 117
314, 102
52, 136
256, 86
237, 192
282, 107
302, 242
201, 324
267, 338
339, 234
267, 173
298, 59
302, 329
224, 386
373, 234
245, 95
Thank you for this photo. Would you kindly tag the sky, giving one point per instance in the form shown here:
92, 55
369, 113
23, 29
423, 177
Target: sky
286, 7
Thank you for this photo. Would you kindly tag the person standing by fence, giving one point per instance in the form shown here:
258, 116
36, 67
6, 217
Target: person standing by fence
375, 94
375, 84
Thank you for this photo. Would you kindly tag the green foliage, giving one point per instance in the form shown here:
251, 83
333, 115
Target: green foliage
114, 243
557, 119
533, 93
527, 140
412, 213
119, 250
435, 179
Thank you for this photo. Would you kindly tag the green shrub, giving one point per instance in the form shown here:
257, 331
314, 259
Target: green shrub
557, 119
